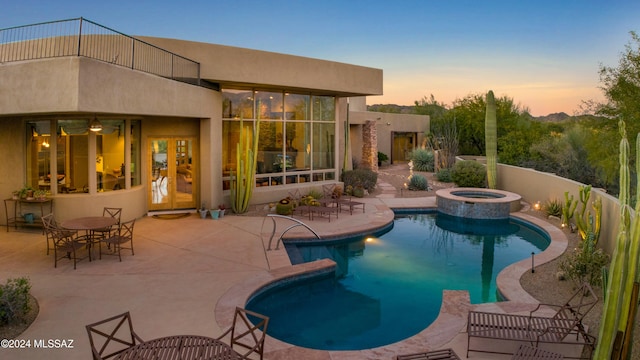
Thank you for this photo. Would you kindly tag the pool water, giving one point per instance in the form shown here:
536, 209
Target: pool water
390, 287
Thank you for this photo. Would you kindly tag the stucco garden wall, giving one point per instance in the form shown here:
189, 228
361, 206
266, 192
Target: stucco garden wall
536, 186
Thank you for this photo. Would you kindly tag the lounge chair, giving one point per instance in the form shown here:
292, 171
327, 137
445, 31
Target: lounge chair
537, 329
444, 354
526, 352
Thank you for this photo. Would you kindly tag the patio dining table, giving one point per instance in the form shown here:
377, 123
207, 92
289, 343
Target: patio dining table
184, 347
89, 224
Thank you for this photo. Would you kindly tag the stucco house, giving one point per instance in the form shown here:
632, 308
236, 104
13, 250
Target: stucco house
98, 118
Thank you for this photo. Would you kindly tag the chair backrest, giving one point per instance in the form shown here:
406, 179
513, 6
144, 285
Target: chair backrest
248, 331
126, 229
579, 305
327, 191
112, 336
48, 221
571, 314
113, 212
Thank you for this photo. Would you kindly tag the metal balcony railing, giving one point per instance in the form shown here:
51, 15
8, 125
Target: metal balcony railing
82, 37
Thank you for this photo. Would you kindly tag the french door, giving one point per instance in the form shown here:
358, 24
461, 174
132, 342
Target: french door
172, 173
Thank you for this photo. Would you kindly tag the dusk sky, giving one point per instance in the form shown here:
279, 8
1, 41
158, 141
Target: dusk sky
544, 54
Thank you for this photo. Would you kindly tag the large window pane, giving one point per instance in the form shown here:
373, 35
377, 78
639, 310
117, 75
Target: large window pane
39, 155
237, 104
270, 148
135, 153
110, 156
269, 105
324, 108
73, 154
297, 106
298, 145
230, 139
323, 145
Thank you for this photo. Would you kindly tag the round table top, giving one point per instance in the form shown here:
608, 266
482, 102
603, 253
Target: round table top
183, 347
89, 223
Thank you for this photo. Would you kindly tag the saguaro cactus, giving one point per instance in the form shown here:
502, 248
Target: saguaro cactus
242, 181
623, 269
491, 140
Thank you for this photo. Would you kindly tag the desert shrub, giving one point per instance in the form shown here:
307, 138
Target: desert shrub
14, 300
422, 160
468, 173
444, 175
360, 177
418, 182
585, 263
315, 193
553, 208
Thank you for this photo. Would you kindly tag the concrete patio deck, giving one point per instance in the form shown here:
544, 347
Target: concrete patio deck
189, 273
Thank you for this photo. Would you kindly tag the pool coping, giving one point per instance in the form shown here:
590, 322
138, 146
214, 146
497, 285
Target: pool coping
450, 322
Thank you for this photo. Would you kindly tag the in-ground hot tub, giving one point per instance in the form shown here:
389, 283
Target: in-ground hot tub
477, 203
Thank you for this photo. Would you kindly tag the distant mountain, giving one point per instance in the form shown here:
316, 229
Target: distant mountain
555, 117
410, 109
392, 108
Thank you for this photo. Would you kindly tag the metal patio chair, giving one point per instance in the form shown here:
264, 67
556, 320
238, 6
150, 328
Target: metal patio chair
49, 222
111, 336
247, 334
117, 240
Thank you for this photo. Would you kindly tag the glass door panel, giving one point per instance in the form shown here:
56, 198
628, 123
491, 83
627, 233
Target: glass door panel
159, 178
172, 180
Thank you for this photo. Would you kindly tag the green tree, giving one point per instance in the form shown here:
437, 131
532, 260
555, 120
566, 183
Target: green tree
621, 87
430, 106
469, 114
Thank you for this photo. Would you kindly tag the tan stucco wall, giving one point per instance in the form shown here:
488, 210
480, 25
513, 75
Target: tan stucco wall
233, 65
536, 186
76, 84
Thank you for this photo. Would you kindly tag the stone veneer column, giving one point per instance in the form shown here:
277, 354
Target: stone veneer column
370, 145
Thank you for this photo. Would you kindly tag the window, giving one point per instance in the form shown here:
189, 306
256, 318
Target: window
73, 162
296, 140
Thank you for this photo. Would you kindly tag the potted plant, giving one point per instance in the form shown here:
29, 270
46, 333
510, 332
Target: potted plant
358, 191
284, 207
203, 211
40, 194
382, 157
222, 209
215, 214
15, 194
26, 193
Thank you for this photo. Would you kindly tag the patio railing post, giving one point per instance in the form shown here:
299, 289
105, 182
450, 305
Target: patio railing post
79, 36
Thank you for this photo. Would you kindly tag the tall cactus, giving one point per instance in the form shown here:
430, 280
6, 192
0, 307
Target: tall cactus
491, 140
246, 155
587, 223
569, 208
613, 314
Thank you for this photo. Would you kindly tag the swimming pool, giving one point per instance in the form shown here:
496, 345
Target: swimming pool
390, 287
